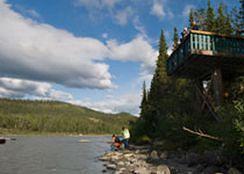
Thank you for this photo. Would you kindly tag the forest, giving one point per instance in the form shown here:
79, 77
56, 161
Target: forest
169, 107
25, 116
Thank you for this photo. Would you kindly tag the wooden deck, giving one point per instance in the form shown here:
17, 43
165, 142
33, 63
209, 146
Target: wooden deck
200, 52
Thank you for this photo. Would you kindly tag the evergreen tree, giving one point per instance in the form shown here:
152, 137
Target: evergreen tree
238, 19
158, 86
175, 39
223, 22
191, 19
210, 18
143, 101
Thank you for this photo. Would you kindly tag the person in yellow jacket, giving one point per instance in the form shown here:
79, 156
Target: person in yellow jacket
126, 137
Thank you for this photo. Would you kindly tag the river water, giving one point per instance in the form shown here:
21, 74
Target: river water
52, 155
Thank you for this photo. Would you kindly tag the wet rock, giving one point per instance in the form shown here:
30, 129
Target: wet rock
233, 171
111, 166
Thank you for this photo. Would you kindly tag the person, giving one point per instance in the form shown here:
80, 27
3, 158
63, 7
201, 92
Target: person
126, 137
116, 143
195, 26
184, 33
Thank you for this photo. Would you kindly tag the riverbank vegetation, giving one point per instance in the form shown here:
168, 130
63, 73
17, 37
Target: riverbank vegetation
170, 107
25, 116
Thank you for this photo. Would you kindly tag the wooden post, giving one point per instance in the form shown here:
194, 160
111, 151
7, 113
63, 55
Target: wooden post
217, 86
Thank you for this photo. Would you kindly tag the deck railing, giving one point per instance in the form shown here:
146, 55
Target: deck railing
205, 43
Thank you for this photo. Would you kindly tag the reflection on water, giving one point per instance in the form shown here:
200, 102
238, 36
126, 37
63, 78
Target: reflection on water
52, 154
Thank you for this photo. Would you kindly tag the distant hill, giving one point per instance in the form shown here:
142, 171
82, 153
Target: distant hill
53, 116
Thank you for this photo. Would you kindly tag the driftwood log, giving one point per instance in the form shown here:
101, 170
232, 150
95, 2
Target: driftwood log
201, 134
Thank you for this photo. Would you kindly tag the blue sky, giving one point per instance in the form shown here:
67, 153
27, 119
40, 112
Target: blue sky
94, 53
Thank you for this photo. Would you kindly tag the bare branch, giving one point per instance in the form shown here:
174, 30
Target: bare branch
201, 134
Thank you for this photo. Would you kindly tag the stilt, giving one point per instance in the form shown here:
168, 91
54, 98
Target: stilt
217, 82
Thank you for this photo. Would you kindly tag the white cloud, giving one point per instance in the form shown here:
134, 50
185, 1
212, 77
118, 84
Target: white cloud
187, 10
158, 9
35, 51
17, 88
114, 104
123, 15
138, 50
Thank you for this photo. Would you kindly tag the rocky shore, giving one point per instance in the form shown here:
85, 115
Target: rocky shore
145, 161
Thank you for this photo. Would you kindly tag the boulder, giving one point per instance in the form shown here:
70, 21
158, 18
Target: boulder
154, 155
121, 163
111, 166
141, 170
163, 169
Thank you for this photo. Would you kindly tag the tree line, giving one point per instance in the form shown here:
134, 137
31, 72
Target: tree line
58, 117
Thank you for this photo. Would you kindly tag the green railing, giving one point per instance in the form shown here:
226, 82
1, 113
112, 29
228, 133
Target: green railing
205, 43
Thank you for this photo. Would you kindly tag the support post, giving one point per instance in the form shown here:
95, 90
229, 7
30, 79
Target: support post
217, 86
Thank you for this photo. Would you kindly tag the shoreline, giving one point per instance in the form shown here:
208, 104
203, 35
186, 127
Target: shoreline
146, 161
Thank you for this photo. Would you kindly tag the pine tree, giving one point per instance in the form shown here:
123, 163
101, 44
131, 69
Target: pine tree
191, 19
210, 18
143, 101
223, 22
158, 86
238, 19
175, 39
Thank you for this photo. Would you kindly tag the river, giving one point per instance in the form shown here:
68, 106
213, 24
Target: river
52, 155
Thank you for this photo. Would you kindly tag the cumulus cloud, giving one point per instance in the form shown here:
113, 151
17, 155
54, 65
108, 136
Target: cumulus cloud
158, 9
17, 88
41, 52
138, 50
114, 104
35, 51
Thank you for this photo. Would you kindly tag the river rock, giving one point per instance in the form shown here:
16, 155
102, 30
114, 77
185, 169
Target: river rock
121, 163
111, 166
141, 170
233, 171
163, 169
154, 155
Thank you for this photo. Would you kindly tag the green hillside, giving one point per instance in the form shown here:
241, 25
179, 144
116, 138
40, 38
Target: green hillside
52, 116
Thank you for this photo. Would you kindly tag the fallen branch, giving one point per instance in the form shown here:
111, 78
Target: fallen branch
201, 134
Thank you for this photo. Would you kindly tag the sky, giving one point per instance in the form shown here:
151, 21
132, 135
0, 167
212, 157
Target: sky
93, 53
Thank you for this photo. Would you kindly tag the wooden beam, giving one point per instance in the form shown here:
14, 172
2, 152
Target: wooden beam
217, 86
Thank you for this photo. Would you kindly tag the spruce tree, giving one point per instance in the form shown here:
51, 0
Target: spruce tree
223, 22
143, 101
238, 19
210, 18
158, 86
191, 19
175, 39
